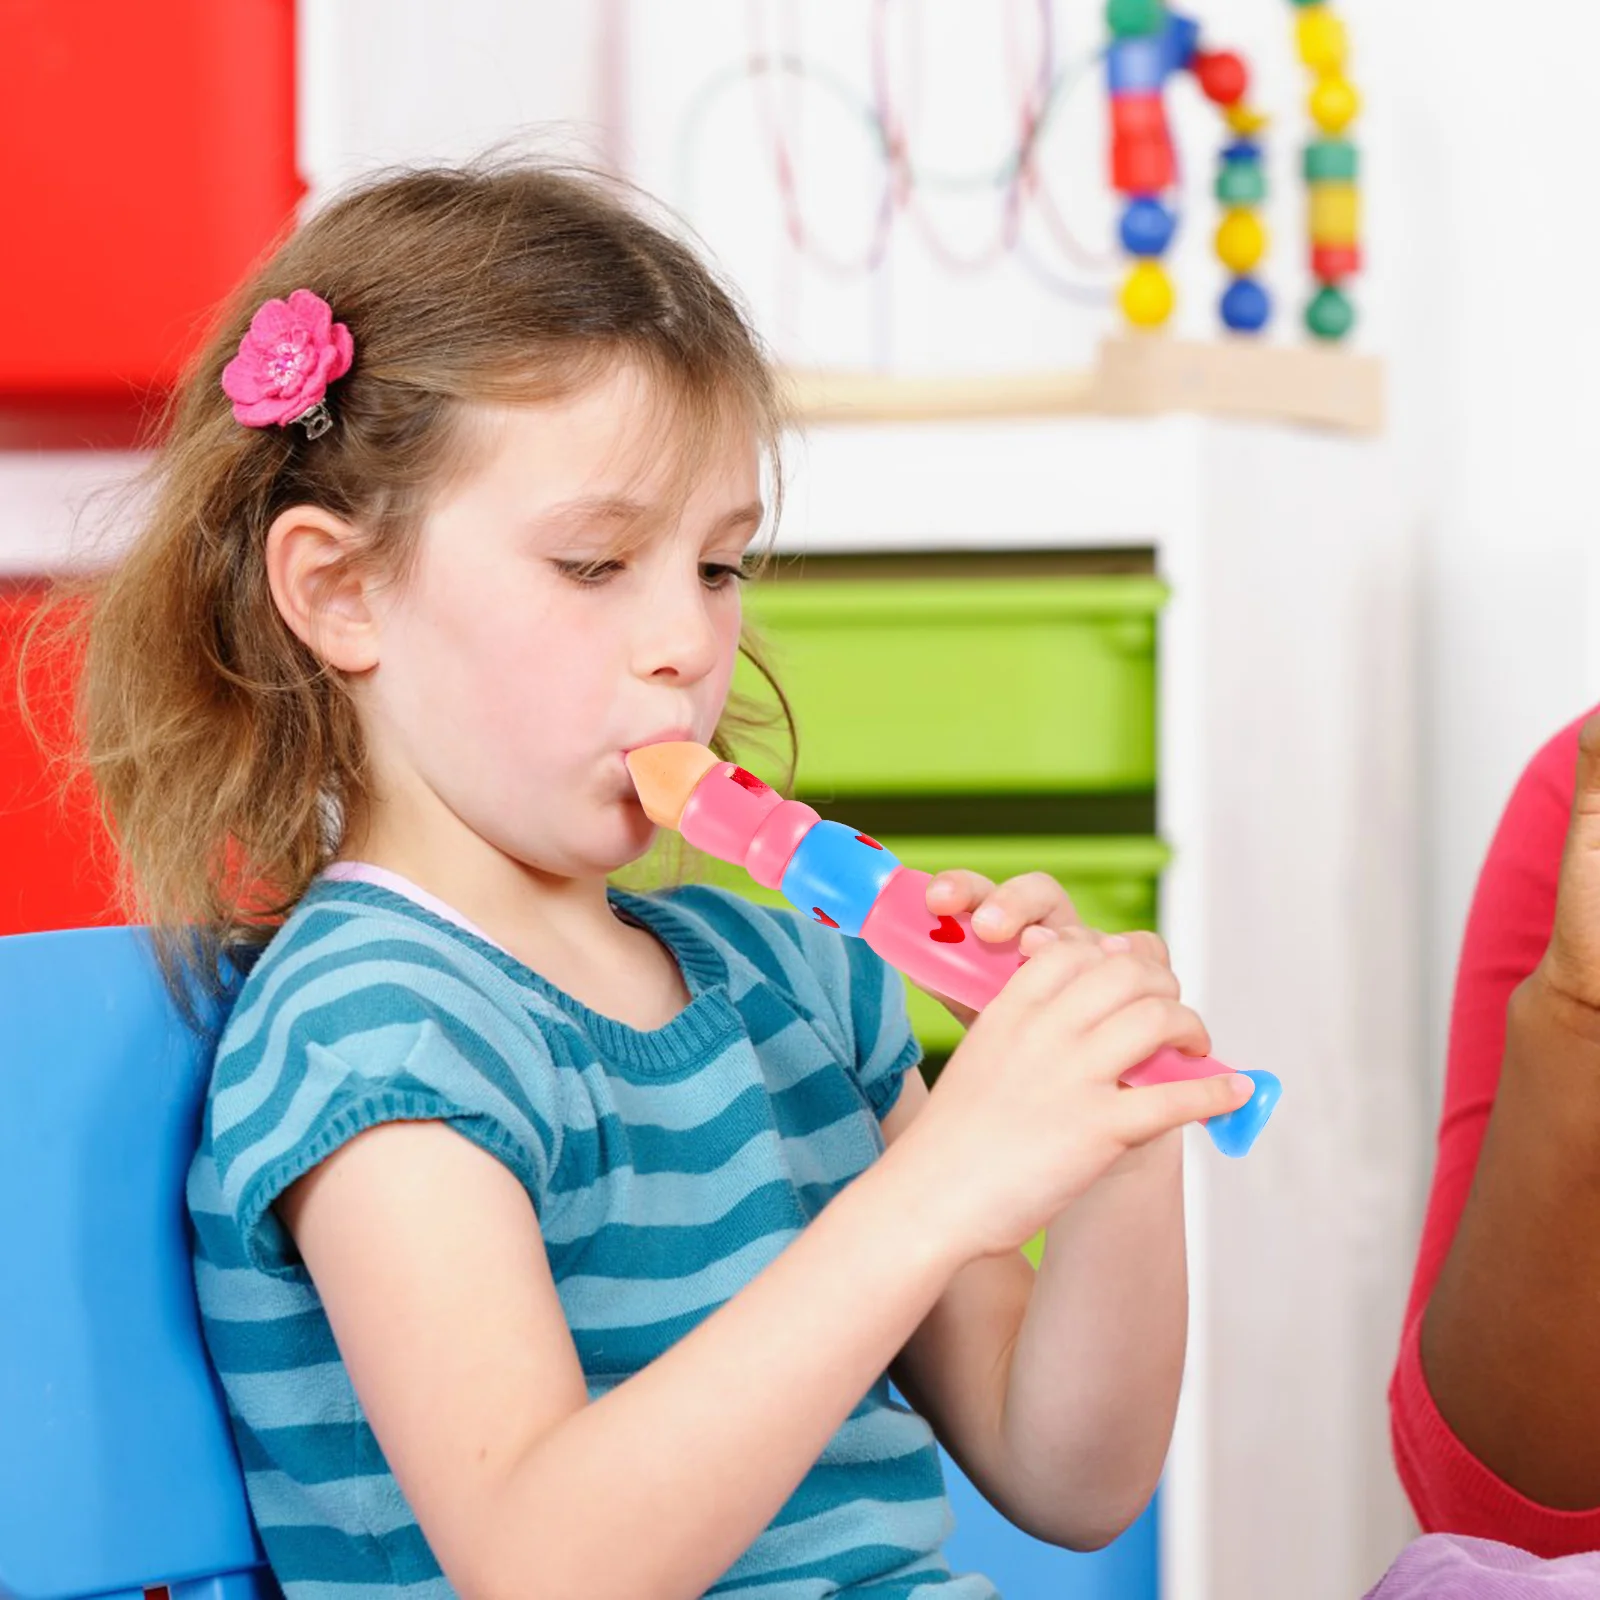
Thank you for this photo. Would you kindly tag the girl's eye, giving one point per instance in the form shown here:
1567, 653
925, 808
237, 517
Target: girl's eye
589, 574
716, 575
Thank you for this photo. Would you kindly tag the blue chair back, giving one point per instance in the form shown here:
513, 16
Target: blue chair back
118, 1473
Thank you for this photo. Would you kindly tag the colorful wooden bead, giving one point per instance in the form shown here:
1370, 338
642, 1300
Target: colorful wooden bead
1330, 315
1147, 227
1147, 295
1244, 119
1335, 213
1138, 116
1222, 76
1246, 306
1333, 263
1136, 66
1241, 240
1180, 41
1334, 102
1241, 183
1128, 19
1331, 166
1145, 165
1324, 44
1331, 161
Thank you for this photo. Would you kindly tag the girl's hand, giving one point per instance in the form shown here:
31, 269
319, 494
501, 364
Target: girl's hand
1033, 906
1028, 1113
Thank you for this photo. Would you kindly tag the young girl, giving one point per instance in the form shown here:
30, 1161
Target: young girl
553, 1240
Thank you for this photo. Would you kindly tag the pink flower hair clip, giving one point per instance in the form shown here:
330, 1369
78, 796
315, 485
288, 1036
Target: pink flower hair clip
293, 351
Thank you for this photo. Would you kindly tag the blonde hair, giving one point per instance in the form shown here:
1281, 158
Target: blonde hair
223, 752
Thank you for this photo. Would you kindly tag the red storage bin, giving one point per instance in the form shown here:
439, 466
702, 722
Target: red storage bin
148, 154
56, 861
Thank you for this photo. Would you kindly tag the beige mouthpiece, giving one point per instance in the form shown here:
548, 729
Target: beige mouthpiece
665, 776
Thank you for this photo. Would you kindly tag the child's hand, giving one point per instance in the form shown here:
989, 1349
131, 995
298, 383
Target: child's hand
1028, 1113
1032, 905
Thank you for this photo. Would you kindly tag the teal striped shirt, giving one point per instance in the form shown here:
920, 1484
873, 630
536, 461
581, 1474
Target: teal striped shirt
667, 1168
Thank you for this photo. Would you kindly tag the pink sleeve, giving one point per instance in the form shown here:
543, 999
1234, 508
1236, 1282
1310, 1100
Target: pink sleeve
1507, 931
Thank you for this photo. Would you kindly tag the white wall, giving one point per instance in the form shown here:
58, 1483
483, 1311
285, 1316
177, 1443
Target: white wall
384, 81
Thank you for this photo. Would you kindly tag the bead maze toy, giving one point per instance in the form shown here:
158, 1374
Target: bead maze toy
1148, 45
848, 881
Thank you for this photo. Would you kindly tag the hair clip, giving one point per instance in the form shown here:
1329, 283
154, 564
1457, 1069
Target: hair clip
291, 353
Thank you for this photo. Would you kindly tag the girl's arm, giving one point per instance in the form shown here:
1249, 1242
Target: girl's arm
1056, 1392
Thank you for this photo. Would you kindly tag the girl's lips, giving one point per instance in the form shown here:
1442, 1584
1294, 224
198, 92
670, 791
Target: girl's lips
669, 736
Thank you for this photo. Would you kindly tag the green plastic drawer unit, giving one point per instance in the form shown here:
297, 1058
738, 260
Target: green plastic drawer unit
979, 686
1112, 881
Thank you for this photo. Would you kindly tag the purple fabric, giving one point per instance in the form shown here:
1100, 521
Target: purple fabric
1446, 1566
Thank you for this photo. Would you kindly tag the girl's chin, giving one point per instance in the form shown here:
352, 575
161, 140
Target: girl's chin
633, 838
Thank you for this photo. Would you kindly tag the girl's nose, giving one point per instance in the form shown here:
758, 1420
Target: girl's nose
675, 634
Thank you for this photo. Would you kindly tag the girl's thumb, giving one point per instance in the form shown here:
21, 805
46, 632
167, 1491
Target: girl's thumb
1159, 1108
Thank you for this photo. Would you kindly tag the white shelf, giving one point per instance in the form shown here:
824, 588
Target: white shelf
54, 507
1034, 484
1133, 374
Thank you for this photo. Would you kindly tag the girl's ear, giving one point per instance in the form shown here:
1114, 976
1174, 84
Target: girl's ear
319, 590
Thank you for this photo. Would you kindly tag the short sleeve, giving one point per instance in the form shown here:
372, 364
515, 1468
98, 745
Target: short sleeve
305, 1064
852, 996
885, 1047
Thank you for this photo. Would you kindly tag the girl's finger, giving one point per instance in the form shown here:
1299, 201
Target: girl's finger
957, 889
1151, 946
1046, 973
1036, 936
1033, 899
1137, 1030
1120, 980
1141, 1115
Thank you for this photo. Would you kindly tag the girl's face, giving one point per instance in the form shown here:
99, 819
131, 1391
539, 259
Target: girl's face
573, 597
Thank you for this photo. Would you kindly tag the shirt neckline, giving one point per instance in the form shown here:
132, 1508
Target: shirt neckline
679, 1046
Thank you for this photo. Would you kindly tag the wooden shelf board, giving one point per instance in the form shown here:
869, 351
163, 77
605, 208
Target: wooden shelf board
1137, 375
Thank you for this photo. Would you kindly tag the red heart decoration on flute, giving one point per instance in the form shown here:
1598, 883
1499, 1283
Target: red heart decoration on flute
948, 932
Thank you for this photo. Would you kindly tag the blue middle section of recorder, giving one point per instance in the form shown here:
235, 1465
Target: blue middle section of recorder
832, 871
